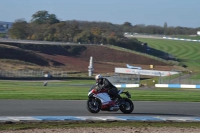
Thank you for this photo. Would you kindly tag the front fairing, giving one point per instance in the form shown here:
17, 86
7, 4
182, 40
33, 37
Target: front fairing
94, 86
89, 93
91, 90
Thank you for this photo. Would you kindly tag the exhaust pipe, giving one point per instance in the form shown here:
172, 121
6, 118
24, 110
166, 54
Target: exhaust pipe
115, 108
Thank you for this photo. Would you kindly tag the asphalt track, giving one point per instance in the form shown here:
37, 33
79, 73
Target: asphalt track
78, 108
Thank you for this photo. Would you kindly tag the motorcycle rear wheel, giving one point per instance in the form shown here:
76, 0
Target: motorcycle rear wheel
93, 105
127, 107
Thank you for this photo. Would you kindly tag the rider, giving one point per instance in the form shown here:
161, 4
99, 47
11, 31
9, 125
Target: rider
104, 83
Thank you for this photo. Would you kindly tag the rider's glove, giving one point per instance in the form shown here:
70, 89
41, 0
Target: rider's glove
98, 89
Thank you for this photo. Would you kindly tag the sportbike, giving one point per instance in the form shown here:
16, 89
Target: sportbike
100, 100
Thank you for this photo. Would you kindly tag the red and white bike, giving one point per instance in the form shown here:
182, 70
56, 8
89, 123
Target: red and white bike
100, 100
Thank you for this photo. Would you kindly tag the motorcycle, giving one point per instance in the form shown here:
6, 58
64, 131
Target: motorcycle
100, 100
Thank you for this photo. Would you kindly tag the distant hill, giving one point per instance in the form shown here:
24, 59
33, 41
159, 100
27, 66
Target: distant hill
71, 58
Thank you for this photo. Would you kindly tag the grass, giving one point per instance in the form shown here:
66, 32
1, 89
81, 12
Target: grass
2, 35
66, 90
94, 124
187, 52
197, 76
36, 90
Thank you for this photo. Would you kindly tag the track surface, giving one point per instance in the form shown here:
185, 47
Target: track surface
78, 108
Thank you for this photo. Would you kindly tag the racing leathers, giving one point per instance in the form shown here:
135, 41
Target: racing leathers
104, 83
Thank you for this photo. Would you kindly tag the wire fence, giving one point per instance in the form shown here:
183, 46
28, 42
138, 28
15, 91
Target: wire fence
31, 73
135, 79
124, 78
179, 79
117, 78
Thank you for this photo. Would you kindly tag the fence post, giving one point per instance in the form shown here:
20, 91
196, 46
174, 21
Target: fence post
138, 78
160, 79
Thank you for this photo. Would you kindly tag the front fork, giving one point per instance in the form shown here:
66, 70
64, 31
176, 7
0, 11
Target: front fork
94, 101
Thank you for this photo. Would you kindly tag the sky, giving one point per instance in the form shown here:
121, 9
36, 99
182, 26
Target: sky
184, 13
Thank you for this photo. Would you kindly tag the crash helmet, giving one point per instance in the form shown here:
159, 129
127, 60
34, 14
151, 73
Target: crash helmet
97, 77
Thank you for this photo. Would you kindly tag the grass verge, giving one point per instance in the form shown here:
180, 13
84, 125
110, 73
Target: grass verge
105, 124
78, 90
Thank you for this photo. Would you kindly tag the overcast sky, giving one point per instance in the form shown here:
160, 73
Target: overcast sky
183, 13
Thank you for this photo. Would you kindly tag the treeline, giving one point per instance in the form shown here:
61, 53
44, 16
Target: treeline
46, 27
165, 30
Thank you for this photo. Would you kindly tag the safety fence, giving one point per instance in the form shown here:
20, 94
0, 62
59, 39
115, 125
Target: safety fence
179, 79
124, 78
173, 79
31, 73
117, 78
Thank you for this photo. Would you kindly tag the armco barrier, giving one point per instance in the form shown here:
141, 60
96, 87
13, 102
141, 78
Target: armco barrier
177, 86
181, 39
127, 85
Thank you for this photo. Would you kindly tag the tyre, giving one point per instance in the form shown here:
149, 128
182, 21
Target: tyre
93, 105
127, 106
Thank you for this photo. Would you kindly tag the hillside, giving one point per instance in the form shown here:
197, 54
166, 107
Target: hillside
186, 52
70, 58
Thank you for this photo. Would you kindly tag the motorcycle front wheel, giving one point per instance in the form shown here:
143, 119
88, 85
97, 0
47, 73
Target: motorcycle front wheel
127, 106
93, 105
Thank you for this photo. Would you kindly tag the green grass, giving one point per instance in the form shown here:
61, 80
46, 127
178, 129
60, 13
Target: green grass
2, 35
187, 52
67, 91
196, 76
36, 90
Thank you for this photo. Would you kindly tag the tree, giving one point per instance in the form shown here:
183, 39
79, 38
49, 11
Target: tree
111, 40
52, 19
43, 17
84, 37
96, 31
127, 24
165, 28
19, 29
